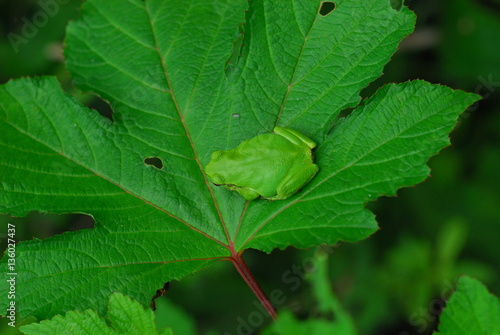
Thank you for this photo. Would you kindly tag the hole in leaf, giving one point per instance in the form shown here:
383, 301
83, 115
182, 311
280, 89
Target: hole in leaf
45, 225
326, 8
101, 106
397, 4
160, 292
154, 161
339, 119
236, 116
237, 49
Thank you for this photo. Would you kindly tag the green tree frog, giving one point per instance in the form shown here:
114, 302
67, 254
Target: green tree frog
273, 165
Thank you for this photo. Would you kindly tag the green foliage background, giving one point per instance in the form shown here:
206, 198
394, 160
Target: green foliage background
446, 226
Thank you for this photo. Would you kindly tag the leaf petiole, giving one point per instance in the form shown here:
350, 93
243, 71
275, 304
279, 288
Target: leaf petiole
247, 275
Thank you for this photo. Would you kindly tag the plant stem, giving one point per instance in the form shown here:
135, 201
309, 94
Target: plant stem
245, 272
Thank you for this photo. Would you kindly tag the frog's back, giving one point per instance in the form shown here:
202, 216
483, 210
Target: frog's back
272, 161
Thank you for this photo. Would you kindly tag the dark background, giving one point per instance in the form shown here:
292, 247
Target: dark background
394, 282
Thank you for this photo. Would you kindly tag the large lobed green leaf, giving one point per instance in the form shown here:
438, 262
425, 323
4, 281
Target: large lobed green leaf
167, 68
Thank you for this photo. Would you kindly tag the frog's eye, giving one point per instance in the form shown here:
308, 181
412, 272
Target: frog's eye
217, 154
217, 179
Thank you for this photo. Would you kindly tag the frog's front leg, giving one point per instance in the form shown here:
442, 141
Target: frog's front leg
248, 193
295, 181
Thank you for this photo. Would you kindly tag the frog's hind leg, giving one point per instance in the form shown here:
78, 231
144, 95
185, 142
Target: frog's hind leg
291, 184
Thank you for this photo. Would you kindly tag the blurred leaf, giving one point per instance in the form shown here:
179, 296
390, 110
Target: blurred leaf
450, 241
468, 50
34, 44
168, 315
287, 324
328, 305
406, 276
328, 302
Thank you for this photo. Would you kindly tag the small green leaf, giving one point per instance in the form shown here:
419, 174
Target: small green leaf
78, 323
470, 310
130, 317
127, 317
